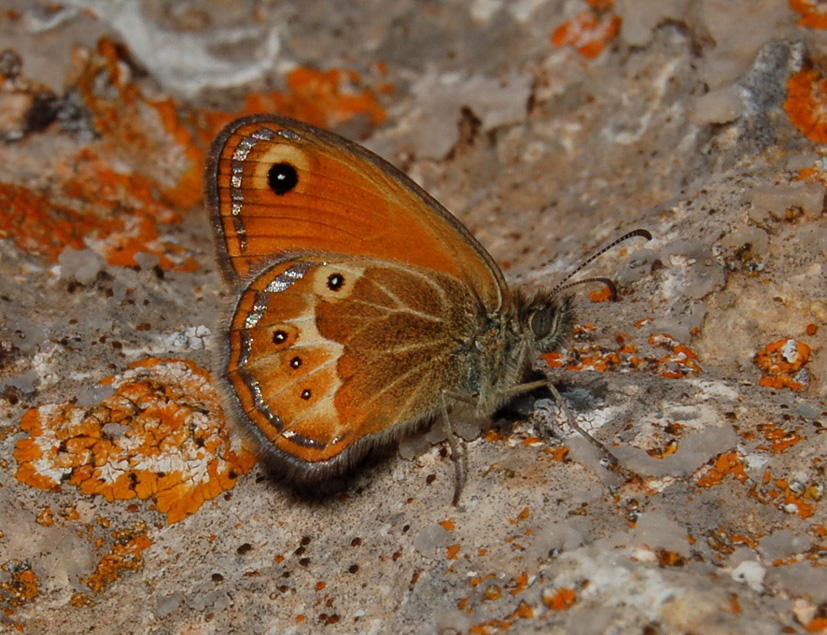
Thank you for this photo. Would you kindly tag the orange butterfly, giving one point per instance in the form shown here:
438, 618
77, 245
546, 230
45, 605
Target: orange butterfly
364, 309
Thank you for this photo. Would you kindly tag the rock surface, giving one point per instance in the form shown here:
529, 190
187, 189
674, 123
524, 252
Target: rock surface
127, 504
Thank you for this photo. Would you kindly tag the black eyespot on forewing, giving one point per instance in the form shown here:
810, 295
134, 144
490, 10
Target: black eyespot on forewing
282, 178
335, 281
279, 337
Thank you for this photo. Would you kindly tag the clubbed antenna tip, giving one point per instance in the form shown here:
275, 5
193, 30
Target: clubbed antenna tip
565, 284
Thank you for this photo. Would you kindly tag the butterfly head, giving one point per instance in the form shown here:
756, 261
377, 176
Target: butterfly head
545, 320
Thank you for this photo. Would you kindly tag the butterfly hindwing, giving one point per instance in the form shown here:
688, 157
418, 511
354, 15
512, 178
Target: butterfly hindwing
327, 356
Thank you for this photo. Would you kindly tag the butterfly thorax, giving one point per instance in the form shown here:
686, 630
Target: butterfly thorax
501, 351
494, 359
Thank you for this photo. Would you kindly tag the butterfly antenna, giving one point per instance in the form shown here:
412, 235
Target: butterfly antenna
563, 283
607, 281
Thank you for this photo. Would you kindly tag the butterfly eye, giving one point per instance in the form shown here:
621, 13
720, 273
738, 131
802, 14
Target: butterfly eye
541, 324
282, 178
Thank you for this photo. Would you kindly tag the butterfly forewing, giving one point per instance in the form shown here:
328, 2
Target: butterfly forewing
328, 355
277, 186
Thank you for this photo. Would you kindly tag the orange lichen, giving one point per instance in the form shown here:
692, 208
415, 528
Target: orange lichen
725, 464
142, 168
161, 435
816, 625
554, 359
592, 356
806, 103
589, 32
453, 551
520, 584
668, 558
725, 541
813, 13
39, 226
485, 628
141, 213
792, 502
680, 363
45, 518
477, 580
79, 600
126, 554
781, 360
790, 499
21, 586
780, 440
523, 611
447, 525
740, 539
601, 295
322, 98
132, 126
734, 604
667, 450
558, 454
560, 600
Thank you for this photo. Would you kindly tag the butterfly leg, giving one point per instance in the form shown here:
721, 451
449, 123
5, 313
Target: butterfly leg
611, 458
460, 459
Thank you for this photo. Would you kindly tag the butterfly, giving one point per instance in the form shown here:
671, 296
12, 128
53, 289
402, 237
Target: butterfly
362, 308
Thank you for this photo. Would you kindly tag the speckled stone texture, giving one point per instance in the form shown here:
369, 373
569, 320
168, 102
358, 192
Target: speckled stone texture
129, 505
